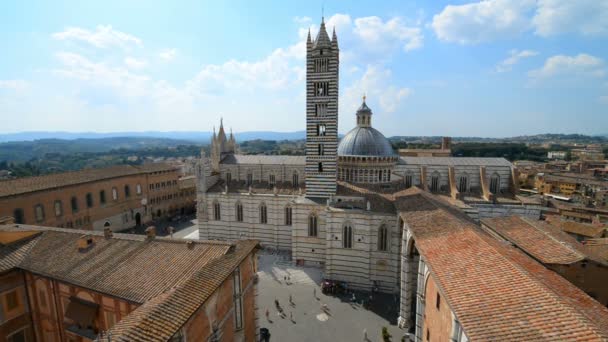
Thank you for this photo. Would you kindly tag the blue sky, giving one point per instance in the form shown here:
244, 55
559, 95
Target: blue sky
459, 68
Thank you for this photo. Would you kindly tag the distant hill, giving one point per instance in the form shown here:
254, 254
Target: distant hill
192, 136
26, 150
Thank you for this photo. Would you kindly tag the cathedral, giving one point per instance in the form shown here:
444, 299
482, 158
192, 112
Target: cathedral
340, 206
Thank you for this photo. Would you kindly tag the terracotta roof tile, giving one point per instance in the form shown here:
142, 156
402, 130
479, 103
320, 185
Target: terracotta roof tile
125, 266
31, 184
546, 243
496, 291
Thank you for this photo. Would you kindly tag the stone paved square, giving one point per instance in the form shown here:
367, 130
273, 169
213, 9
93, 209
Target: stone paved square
346, 320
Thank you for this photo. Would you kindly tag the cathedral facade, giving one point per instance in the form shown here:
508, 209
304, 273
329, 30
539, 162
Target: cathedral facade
336, 206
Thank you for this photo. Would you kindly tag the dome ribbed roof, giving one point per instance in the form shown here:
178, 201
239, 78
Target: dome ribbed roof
365, 141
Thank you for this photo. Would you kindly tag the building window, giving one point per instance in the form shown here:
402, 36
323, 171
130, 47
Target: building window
114, 194
321, 109
151, 187
39, 211
18, 216
18, 336
347, 236
321, 150
438, 302
157, 186
408, 181
58, 208
295, 179
288, 216
271, 179
263, 214
312, 225
383, 238
249, 178
463, 183
321, 88
217, 213
435, 182
138, 189
239, 212
428, 335
74, 202
494, 183
102, 197
320, 167
12, 300
321, 130
89, 200
228, 177
127, 191
238, 300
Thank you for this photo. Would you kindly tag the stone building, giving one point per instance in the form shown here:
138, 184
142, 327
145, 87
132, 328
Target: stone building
333, 207
118, 197
60, 284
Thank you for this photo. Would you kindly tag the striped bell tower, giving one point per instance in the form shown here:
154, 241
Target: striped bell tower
322, 64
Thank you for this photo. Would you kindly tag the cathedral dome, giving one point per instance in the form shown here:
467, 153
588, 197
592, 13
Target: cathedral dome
365, 141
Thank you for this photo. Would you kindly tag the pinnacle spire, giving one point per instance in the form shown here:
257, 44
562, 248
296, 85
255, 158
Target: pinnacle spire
322, 37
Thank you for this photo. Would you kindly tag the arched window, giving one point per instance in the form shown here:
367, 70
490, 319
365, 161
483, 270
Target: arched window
249, 177
383, 238
18, 216
295, 179
127, 191
39, 211
115, 194
495, 183
228, 177
463, 183
239, 212
288, 216
263, 214
74, 203
58, 208
312, 225
435, 182
217, 211
408, 180
347, 236
272, 179
320, 167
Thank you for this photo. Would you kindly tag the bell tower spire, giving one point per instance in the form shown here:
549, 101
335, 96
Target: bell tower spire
322, 64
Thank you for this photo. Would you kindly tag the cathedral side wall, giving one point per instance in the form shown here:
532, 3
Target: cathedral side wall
262, 172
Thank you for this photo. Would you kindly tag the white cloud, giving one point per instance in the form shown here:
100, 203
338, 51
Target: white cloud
16, 85
375, 83
168, 54
514, 57
603, 99
377, 33
302, 20
581, 65
587, 17
482, 21
134, 63
102, 37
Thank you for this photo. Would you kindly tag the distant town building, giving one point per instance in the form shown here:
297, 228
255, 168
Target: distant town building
556, 155
444, 151
118, 197
76, 285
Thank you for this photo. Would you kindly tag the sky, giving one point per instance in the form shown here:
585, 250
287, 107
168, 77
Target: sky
493, 68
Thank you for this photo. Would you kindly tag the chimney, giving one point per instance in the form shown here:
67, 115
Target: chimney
190, 244
151, 232
84, 242
446, 143
107, 233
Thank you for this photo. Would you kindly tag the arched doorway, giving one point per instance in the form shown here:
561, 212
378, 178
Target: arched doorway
138, 219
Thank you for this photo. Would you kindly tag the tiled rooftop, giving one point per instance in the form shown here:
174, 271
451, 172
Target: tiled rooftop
496, 291
264, 159
31, 184
544, 242
170, 278
455, 161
